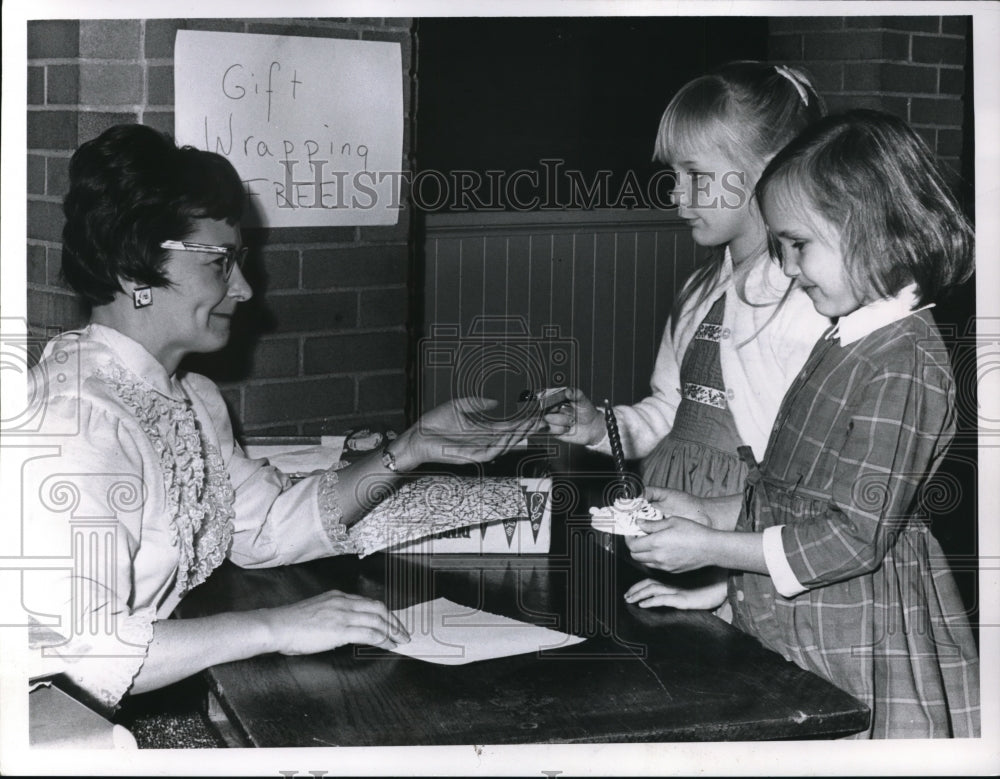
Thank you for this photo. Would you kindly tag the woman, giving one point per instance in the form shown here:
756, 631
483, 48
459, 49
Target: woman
152, 242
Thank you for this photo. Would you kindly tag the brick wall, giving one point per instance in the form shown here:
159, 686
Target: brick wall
326, 342
911, 66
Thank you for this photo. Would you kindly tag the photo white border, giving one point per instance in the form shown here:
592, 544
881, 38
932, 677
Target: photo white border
951, 757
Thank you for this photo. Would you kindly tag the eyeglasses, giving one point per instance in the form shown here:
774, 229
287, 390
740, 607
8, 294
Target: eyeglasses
231, 255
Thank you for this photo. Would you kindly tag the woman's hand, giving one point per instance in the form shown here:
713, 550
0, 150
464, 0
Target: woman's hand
576, 420
329, 620
674, 544
649, 593
460, 432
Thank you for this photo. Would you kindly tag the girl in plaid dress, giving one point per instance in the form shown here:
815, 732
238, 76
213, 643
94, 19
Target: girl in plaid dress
833, 563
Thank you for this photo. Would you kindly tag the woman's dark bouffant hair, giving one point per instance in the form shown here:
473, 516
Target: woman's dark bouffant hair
130, 189
870, 176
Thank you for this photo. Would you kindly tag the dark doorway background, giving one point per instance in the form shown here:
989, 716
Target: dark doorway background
505, 93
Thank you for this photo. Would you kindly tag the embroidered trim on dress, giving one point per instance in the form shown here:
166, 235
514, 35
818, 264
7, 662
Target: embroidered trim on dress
200, 496
708, 332
330, 512
708, 396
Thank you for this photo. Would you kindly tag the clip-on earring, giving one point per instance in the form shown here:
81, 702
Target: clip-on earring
142, 297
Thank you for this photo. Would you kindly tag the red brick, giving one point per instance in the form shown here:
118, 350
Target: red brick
855, 45
355, 353
279, 402
955, 25
864, 22
110, 84
36, 264
951, 81
282, 269
384, 307
397, 232
938, 50
785, 47
216, 25
826, 76
314, 312
53, 38
928, 135
272, 430
342, 30
805, 23
51, 309
362, 266
276, 357
160, 36
53, 269
63, 85
862, 77
52, 130
382, 393
116, 39
942, 112
36, 174
908, 78
160, 85
949, 143
385, 420
45, 220
909, 23
36, 85
159, 120
286, 235
90, 124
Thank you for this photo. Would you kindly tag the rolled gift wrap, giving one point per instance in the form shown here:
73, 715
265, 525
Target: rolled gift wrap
622, 518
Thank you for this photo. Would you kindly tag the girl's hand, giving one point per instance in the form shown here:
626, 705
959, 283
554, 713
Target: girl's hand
676, 503
329, 620
459, 432
649, 593
576, 420
674, 544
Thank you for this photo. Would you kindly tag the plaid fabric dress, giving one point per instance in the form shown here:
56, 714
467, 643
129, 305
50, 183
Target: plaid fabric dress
860, 432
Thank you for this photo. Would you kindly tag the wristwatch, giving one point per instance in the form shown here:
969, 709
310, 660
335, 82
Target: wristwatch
388, 459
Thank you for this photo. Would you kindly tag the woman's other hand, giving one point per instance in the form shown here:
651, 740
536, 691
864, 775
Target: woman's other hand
576, 420
650, 593
330, 620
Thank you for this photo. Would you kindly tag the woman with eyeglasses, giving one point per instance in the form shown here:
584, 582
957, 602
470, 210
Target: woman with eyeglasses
152, 241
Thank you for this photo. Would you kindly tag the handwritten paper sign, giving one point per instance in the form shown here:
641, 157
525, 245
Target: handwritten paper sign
313, 125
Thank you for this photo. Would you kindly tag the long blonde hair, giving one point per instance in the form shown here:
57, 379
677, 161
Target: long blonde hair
747, 111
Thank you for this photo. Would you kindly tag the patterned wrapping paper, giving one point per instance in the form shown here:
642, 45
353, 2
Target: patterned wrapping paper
434, 504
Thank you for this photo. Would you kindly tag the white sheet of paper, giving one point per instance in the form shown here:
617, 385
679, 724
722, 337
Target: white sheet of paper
448, 633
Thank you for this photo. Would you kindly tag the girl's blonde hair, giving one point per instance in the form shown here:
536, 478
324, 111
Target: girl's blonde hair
868, 174
748, 111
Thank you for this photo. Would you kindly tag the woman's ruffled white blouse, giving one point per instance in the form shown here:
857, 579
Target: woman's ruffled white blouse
145, 493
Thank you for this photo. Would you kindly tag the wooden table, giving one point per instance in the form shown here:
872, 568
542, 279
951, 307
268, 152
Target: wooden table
641, 675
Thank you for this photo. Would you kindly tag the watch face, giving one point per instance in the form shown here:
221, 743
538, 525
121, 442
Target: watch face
388, 460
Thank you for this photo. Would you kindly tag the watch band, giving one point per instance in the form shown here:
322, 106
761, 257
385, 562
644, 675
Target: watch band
388, 459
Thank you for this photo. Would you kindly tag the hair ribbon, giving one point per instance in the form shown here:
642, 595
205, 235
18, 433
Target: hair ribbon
784, 71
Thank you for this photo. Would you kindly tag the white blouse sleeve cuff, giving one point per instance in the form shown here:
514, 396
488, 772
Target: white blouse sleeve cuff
782, 576
104, 666
331, 514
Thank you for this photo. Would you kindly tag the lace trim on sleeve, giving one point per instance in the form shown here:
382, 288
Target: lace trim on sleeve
105, 666
330, 512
